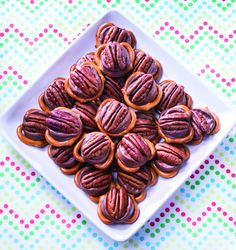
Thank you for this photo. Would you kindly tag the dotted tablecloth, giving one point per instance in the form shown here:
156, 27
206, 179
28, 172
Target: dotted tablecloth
202, 213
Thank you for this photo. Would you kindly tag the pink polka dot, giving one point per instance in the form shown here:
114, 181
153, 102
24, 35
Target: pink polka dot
210, 27
55, 30
219, 209
157, 32
221, 36
234, 31
176, 32
228, 171
162, 28
47, 205
2, 163
192, 176
172, 204
162, 214
16, 30
201, 167
200, 27
35, 39
4, 72
233, 175
6, 30
216, 161
21, 34
197, 172
167, 209
30, 43
233, 79
26, 226
16, 216
5, 206
1, 211
152, 224
12, 163
52, 211
207, 66
58, 216
27, 178
63, 221
68, 225
189, 219
78, 216
37, 216
217, 75
26, 39
187, 41
212, 71
157, 219
70, 1
32, 173
228, 84
213, 203
199, 219
205, 23
222, 165
21, 221
166, 23
11, 211
224, 213
23, 173
182, 36
211, 156
215, 31
31, 221
226, 40
60, 34
171, 28
183, 214
40, 34
73, 221
50, 25
42, 211
11, 25
15, 72
223, 80
25, 82
230, 36
235, 223
0, 76
208, 209
45, 30
191, 37
194, 223
202, 71
10, 67
20, 76
1, 34
177, 209
230, 218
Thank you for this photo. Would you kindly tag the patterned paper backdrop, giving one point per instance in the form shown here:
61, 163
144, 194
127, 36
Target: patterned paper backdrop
202, 213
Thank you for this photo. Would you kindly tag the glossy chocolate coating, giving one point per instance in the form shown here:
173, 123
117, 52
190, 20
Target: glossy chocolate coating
175, 122
133, 151
93, 181
34, 124
169, 157
117, 206
115, 59
109, 32
87, 112
89, 57
63, 156
114, 117
85, 81
141, 88
146, 126
112, 89
134, 183
64, 124
96, 148
146, 64
173, 94
56, 96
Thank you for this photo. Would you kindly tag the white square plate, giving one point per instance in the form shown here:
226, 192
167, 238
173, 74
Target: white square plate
157, 195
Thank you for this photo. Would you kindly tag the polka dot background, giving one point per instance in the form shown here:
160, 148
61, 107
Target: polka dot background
202, 213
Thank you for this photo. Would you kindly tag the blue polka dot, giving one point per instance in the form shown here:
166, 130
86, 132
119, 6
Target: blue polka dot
141, 238
147, 243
